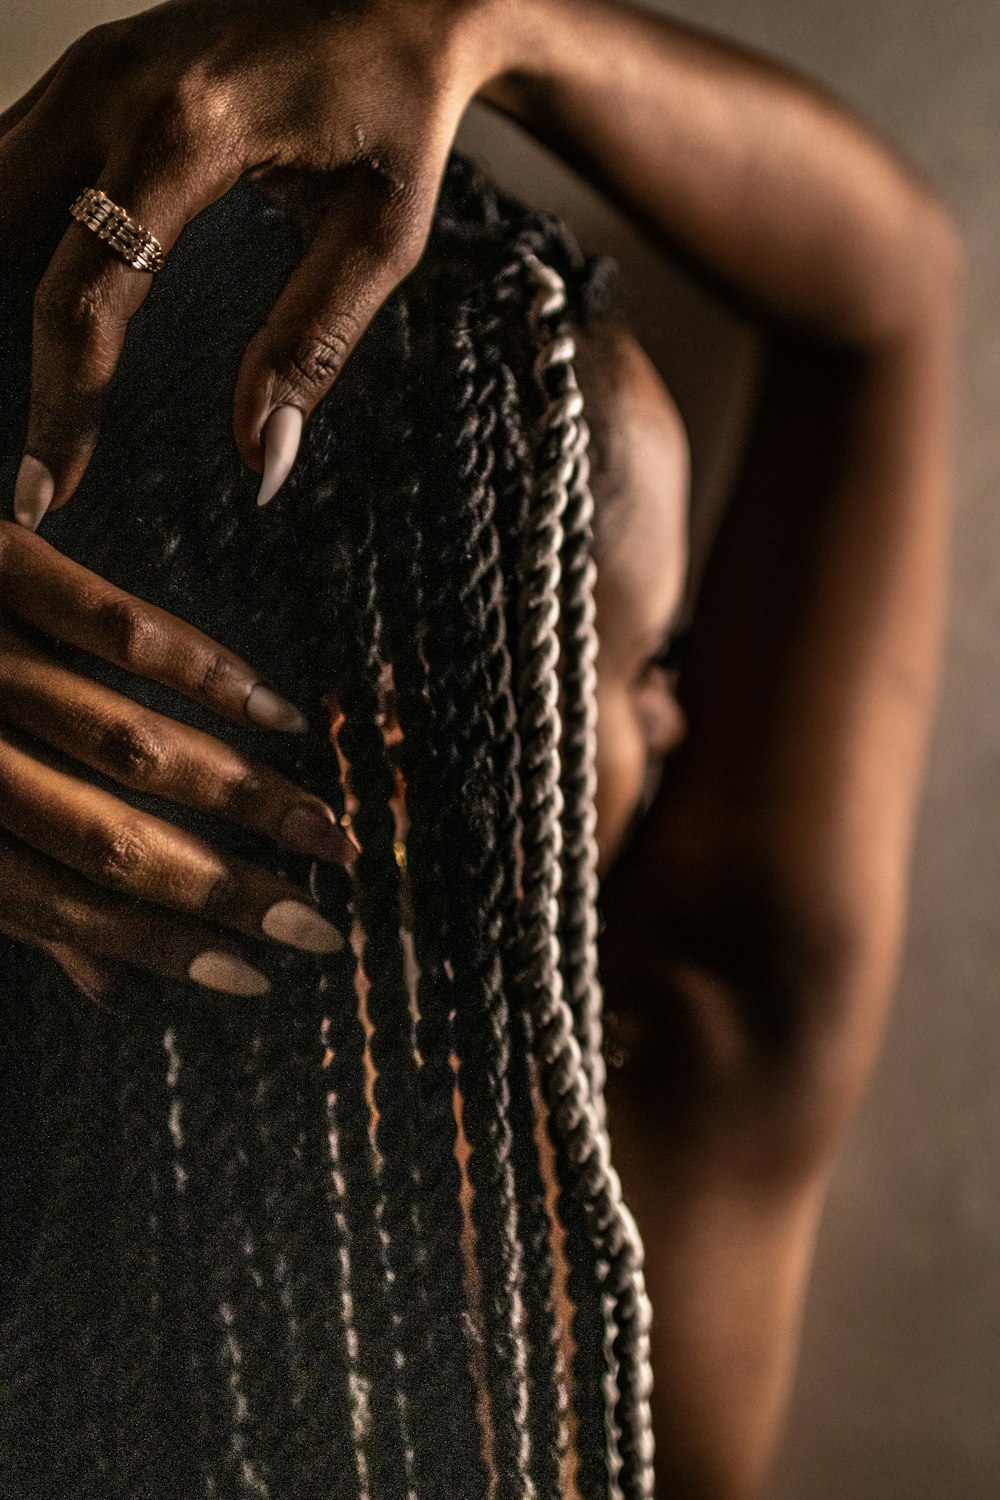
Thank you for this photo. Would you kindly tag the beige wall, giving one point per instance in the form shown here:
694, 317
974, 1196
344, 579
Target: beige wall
899, 1395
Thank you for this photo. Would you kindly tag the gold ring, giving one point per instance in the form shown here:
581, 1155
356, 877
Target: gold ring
134, 244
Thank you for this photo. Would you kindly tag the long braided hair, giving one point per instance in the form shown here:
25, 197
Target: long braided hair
362, 1239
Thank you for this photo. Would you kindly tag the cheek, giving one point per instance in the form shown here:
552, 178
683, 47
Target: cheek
621, 770
661, 718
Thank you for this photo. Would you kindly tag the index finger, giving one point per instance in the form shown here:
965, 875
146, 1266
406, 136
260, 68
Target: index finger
49, 592
98, 278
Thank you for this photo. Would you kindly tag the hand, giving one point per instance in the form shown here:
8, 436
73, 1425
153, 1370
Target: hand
91, 879
344, 110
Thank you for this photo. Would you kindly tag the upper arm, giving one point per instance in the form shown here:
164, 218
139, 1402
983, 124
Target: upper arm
775, 856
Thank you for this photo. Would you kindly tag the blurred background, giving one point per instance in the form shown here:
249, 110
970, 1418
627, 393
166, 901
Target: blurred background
898, 1396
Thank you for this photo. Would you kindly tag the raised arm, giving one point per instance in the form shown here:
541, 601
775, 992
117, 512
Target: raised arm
755, 925
812, 680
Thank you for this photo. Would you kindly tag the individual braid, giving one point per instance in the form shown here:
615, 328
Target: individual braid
360, 1305
298, 1074
447, 1446
321, 1204
548, 1394
378, 909
579, 775
474, 721
596, 1427
146, 1369
360, 1180
193, 1372
567, 1085
304, 1248
205, 1405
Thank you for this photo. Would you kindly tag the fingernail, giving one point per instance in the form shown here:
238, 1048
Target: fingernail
273, 712
282, 435
296, 924
220, 971
92, 981
310, 830
33, 492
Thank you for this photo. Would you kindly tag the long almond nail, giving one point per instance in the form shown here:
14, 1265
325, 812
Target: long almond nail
33, 492
266, 708
313, 831
92, 980
220, 971
282, 436
296, 924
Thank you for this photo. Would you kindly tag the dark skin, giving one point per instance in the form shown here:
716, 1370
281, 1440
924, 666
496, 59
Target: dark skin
755, 919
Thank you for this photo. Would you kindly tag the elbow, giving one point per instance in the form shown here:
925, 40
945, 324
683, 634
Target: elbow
923, 271
811, 999
758, 1020
940, 256
895, 266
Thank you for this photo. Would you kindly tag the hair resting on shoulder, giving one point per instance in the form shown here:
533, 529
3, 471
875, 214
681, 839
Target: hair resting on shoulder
239, 1257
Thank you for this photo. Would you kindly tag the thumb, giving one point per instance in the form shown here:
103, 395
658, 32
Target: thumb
362, 249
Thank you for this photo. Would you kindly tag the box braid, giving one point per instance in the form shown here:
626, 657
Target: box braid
475, 728
378, 909
596, 1430
564, 1072
452, 1462
144, 1223
579, 777
591, 1434
287, 1309
371, 1164
547, 1414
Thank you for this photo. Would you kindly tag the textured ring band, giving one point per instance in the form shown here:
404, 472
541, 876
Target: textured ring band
112, 224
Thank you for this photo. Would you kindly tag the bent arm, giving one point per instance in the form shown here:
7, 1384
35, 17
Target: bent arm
758, 178
811, 684
755, 924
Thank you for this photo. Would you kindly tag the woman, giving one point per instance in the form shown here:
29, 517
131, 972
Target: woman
753, 923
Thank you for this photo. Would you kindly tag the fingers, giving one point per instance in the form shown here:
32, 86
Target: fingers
42, 588
130, 852
91, 978
365, 245
50, 907
153, 754
81, 315
42, 170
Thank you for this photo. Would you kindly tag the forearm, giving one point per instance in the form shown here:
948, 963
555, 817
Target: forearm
765, 183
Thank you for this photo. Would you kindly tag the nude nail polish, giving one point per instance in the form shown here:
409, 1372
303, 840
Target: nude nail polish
221, 971
282, 436
33, 492
269, 710
299, 926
